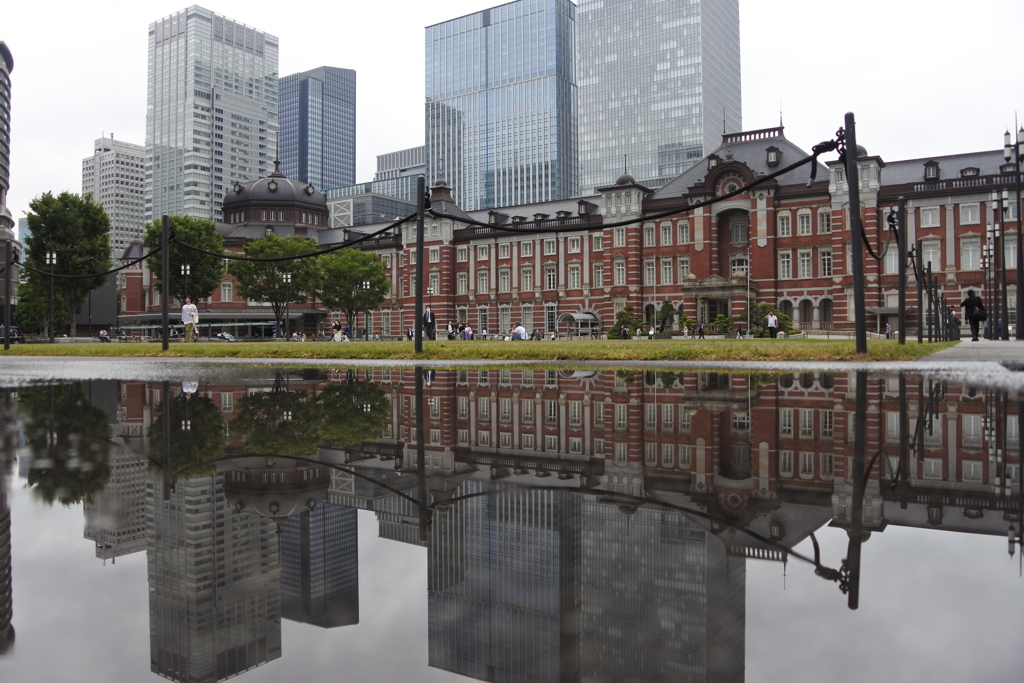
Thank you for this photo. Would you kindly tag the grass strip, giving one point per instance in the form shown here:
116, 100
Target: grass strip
632, 350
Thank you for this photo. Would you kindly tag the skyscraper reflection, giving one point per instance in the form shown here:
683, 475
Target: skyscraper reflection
8, 424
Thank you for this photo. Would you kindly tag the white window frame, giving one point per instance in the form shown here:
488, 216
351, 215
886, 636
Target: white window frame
550, 247
462, 255
526, 249
784, 224
504, 250
930, 217
598, 243
785, 265
804, 263
803, 223
970, 254
574, 245
684, 232
824, 222
970, 214
483, 252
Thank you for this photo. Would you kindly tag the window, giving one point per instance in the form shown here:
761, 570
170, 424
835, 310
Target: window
575, 413
786, 422
807, 464
504, 250
226, 291
385, 321
463, 404
685, 456
804, 263
435, 255
462, 254
785, 265
971, 425
528, 412
550, 247
969, 214
1010, 251
575, 444
828, 465
551, 319
482, 252
684, 419
551, 443
892, 260
666, 234
483, 408
621, 413
666, 271
574, 276
651, 416
828, 424
526, 249
574, 245
434, 282
412, 257
803, 224
598, 242
738, 230
668, 454
933, 468
970, 255
684, 232
650, 453
649, 236
825, 262
930, 254
824, 221
620, 272
483, 281
528, 442
482, 317
504, 281
741, 421
930, 217
972, 470
598, 414
463, 437
667, 416
806, 424
620, 237
461, 283
684, 267
550, 277
785, 229
786, 463
620, 452
506, 439
598, 275
649, 272
483, 439
598, 446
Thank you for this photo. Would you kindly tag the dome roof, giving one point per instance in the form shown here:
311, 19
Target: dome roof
625, 179
275, 188
293, 486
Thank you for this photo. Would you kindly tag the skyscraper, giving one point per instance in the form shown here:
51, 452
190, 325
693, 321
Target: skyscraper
211, 111
6, 67
501, 104
115, 176
318, 127
657, 81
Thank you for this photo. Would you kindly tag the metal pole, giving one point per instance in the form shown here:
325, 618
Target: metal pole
1020, 247
421, 196
165, 449
901, 245
165, 279
928, 295
904, 442
8, 265
859, 477
918, 275
856, 234
421, 454
53, 321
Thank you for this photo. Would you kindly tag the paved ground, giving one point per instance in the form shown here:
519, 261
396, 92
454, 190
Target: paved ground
983, 350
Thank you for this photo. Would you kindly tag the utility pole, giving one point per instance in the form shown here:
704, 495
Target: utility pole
165, 279
901, 246
421, 197
856, 234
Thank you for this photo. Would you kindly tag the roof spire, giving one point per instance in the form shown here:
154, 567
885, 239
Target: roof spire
780, 112
277, 157
724, 131
625, 168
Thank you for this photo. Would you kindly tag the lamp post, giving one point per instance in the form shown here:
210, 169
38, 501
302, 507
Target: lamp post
366, 315
286, 278
987, 257
993, 249
185, 270
1013, 151
51, 262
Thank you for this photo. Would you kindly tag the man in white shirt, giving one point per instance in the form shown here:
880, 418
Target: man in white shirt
773, 324
189, 317
519, 332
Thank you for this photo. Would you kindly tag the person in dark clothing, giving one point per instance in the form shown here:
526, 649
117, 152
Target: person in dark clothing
972, 308
700, 331
429, 323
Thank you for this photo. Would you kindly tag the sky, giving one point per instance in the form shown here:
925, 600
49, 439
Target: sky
925, 78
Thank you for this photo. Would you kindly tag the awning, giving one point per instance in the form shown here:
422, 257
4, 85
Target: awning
581, 317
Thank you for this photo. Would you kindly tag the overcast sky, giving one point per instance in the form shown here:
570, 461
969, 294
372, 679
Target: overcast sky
925, 77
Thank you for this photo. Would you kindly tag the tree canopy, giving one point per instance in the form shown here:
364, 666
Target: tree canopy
197, 434
205, 271
626, 318
69, 439
77, 231
266, 281
341, 279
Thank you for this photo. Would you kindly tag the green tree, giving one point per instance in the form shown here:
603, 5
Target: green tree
197, 434
625, 318
77, 230
757, 314
205, 271
296, 423
69, 439
665, 315
341, 279
33, 311
724, 324
267, 281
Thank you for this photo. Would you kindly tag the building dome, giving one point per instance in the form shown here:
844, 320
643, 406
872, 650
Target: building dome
274, 190
624, 180
275, 489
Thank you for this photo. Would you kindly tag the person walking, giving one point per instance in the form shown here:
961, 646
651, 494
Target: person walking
189, 318
773, 324
974, 311
450, 330
888, 331
429, 323
700, 331
336, 331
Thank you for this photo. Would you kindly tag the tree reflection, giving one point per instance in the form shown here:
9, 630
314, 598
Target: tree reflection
197, 434
296, 423
70, 443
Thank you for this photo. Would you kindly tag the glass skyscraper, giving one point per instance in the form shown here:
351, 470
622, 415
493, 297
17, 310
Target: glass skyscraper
318, 127
211, 116
6, 67
501, 104
658, 81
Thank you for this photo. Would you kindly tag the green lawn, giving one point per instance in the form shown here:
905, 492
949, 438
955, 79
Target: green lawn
634, 350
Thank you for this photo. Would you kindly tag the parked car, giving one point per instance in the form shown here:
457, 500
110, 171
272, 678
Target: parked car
16, 336
225, 336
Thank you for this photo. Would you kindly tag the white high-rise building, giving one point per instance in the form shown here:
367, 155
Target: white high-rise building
212, 116
658, 81
115, 176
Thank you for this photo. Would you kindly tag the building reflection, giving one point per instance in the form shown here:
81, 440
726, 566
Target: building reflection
8, 440
577, 525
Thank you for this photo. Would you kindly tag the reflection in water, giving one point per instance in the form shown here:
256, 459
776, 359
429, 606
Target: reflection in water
578, 526
8, 424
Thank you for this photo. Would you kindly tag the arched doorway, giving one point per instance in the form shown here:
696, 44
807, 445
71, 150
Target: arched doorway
650, 314
806, 314
825, 312
786, 308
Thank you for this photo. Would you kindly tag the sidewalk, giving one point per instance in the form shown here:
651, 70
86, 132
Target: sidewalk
983, 350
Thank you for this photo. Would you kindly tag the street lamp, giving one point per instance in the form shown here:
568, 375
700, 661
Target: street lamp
1014, 151
185, 270
51, 261
994, 259
287, 279
366, 314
